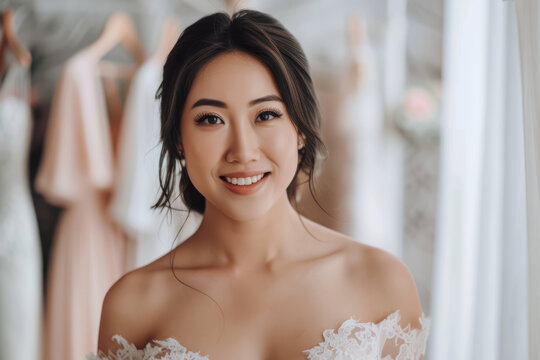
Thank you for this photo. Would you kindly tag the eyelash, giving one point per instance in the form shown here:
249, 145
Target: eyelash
200, 119
274, 112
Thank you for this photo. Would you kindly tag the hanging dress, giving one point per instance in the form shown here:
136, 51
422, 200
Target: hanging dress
364, 122
20, 253
77, 172
137, 184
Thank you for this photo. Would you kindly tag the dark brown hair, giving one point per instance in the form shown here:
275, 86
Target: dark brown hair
262, 37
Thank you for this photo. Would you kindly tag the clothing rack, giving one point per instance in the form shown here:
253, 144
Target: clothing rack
152, 8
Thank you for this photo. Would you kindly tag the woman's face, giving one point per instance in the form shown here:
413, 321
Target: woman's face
239, 143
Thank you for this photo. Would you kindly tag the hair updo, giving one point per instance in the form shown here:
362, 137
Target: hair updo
262, 37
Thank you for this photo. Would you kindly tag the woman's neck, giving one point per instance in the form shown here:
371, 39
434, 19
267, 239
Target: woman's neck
257, 244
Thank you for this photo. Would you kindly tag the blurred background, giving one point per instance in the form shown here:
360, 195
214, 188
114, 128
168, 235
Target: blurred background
423, 117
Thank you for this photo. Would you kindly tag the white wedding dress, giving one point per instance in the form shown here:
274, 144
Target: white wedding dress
354, 340
20, 251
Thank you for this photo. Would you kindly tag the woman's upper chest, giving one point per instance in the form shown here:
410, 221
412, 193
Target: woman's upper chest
263, 317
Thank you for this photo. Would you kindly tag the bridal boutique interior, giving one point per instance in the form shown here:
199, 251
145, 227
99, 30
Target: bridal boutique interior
429, 118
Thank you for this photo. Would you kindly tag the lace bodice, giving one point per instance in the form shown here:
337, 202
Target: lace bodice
353, 340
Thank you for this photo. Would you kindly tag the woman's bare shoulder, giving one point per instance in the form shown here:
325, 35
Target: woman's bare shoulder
371, 270
390, 280
132, 305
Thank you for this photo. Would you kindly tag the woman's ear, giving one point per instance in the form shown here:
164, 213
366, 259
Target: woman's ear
301, 142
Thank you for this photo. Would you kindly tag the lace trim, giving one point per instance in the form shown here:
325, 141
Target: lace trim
353, 340
168, 349
386, 340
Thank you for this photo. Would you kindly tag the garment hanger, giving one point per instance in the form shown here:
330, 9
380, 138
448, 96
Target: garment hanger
170, 31
12, 42
119, 30
235, 5
356, 30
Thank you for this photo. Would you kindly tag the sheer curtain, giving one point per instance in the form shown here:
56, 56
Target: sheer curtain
479, 303
528, 15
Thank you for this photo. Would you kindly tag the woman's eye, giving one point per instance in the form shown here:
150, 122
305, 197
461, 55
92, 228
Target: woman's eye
268, 115
209, 120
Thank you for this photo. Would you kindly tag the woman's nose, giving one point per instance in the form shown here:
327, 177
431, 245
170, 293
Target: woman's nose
243, 145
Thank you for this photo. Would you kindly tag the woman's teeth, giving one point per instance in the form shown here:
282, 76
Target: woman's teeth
245, 181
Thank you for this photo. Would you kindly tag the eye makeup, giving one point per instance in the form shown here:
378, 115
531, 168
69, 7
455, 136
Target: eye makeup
208, 119
270, 111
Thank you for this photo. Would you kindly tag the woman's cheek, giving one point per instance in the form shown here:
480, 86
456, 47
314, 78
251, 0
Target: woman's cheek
200, 157
282, 147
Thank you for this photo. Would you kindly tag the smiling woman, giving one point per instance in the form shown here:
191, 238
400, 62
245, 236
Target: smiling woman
284, 64
257, 280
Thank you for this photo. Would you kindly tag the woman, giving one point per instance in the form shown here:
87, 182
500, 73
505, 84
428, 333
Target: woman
257, 280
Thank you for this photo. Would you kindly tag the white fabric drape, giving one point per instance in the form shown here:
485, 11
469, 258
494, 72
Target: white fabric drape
394, 83
513, 342
480, 253
528, 15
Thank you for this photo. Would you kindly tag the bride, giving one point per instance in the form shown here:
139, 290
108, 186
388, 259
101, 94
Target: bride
240, 124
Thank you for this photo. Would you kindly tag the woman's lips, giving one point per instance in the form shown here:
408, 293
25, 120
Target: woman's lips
244, 183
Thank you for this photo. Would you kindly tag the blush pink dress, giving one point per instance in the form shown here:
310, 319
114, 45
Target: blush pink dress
90, 252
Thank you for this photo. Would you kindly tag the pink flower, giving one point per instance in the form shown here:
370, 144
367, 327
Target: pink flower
419, 104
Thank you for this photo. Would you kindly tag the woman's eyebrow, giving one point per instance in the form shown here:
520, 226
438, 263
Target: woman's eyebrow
265, 98
221, 104
210, 102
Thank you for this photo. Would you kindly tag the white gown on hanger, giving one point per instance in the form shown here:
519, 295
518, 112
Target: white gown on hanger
370, 197
137, 184
354, 340
20, 253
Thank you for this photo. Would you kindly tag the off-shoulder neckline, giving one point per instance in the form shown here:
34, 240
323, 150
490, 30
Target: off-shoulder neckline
328, 335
